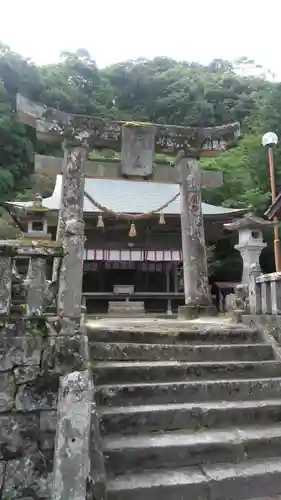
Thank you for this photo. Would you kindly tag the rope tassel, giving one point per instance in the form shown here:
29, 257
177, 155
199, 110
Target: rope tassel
100, 222
162, 218
133, 231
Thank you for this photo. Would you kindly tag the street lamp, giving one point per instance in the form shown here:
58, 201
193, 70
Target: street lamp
269, 140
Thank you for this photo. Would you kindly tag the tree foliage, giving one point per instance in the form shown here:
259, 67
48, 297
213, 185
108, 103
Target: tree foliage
161, 90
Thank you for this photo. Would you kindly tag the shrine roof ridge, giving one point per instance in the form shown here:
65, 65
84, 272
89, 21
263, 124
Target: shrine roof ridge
51, 124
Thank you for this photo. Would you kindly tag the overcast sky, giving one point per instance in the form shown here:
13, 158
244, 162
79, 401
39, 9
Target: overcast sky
115, 30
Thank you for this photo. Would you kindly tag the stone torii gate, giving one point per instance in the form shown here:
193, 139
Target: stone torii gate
138, 143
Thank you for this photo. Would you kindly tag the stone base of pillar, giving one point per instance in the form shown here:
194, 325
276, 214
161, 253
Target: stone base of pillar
195, 311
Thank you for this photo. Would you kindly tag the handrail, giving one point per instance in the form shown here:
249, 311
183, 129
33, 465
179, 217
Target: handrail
265, 293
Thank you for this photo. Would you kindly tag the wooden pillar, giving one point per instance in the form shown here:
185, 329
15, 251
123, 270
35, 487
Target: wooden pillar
71, 229
176, 278
101, 273
168, 287
221, 307
146, 278
196, 287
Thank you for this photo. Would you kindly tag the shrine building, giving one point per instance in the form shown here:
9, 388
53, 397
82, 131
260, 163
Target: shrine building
139, 257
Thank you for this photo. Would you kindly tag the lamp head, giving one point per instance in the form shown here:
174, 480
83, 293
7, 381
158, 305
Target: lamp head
269, 139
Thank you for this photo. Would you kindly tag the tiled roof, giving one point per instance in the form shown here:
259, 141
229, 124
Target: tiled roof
128, 196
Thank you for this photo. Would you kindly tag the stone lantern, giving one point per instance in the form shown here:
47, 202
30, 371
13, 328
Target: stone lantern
37, 221
250, 232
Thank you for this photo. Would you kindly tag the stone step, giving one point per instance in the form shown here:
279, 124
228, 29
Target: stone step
248, 479
172, 335
180, 352
181, 449
126, 308
278, 497
160, 371
187, 392
154, 418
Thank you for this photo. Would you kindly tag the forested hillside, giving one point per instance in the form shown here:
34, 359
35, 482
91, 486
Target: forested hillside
161, 90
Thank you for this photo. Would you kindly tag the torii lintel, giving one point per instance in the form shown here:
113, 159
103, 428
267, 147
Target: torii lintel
53, 125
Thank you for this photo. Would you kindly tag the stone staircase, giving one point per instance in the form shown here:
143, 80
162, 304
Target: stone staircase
188, 414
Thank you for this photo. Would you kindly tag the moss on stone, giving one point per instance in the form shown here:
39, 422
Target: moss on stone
37, 209
139, 124
34, 243
37, 327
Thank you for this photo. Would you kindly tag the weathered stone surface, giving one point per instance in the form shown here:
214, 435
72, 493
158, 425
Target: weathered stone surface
97, 483
181, 449
28, 477
191, 416
126, 308
179, 352
251, 243
2, 473
40, 394
6, 285
53, 124
138, 150
204, 417
19, 351
195, 275
24, 374
18, 435
189, 312
15, 328
168, 332
71, 230
137, 372
36, 284
72, 460
47, 442
269, 326
224, 482
64, 354
243, 480
48, 421
184, 392
48, 424
33, 353
159, 485
7, 391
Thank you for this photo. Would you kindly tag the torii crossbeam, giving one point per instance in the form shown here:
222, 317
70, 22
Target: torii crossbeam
138, 143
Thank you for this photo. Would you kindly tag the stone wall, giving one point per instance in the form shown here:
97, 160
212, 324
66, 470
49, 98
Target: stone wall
32, 358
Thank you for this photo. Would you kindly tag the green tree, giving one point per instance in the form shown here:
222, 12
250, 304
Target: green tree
161, 90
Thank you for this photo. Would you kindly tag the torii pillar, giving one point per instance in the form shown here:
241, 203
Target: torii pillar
138, 143
195, 273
